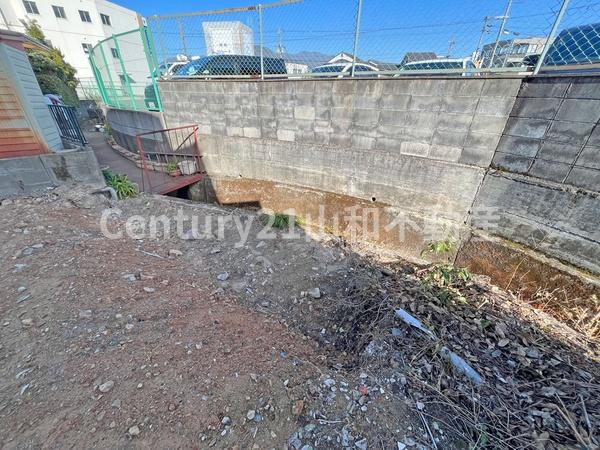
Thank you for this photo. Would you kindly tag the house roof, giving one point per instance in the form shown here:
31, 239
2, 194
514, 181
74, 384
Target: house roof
14, 38
417, 56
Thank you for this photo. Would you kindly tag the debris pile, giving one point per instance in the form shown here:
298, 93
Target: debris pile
478, 362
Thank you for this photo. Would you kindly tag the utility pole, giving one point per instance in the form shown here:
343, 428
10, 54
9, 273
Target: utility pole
280, 47
501, 31
451, 45
485, 29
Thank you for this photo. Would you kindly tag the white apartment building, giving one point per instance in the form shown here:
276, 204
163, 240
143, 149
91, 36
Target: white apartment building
73, 26
228, 38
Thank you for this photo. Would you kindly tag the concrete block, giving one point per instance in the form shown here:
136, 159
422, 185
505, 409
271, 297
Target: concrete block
476, 156
585, 178
589, 157
449, 138
421, 119
501, 87
366, 116
519, 146
488, 124
395, 102
445, 152
454, 121
341, 114
486, 141
545, 87
344, 86
397, 86
252, 132
495, 106
558, 152
579, 110
595, 136
383, 143
395, 118
570, 132
304, 112
286, 135
425, 103
551, 171
464, 105
366, 102
414, 148
364, 142
584, 88
417, 134
428, 87
536, 108
235, 131
532, 128
511, 163
459, 87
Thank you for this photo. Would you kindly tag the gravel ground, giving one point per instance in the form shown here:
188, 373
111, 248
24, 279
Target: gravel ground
200, 341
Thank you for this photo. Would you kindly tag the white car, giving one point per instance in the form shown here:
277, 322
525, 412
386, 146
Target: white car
340, 70
440, 65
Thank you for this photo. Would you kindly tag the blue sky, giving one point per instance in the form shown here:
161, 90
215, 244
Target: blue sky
389, 27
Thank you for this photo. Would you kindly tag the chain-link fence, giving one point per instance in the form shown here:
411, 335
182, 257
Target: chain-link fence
125, 69
372, 38
360, 38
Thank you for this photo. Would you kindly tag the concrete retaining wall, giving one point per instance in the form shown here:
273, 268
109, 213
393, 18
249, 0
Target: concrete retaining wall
443, 152
30, 174
126, 124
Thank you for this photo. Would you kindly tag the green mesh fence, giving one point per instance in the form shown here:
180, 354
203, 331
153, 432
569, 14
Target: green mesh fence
125, 69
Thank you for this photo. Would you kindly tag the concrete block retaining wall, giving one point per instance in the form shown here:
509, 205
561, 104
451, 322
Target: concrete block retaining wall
439, 150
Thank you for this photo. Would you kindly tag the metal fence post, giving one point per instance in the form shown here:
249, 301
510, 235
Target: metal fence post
182, 36
152, 63
125, 75
551, 36
500, 31
98, 78
356, 33
262, 44
110, 79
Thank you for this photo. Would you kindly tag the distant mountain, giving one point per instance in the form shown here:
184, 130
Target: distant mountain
312, 59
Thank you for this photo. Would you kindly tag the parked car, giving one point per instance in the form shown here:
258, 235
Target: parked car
340, 70
440, 64
230, 65
575, 46
219, 65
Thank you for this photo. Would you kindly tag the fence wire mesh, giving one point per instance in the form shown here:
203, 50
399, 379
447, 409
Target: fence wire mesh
125, 70
360, 38
372, 38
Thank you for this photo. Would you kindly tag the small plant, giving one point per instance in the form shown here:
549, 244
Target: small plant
440, 247
281, 221
120, 183
173, 169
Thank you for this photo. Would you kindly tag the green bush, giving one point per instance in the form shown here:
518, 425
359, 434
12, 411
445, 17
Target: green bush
120, 183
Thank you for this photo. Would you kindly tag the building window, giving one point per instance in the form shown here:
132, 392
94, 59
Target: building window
30, 7
59, 12
105, 19
85, 16
87, 48
115, 52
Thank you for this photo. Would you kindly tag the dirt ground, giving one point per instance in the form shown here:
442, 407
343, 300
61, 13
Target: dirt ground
200, 342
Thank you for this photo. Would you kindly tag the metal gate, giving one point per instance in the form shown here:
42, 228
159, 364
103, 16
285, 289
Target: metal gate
67, 123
